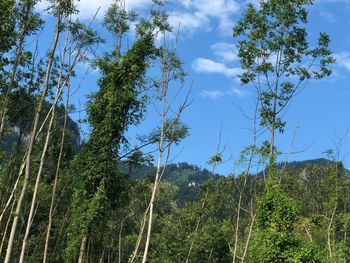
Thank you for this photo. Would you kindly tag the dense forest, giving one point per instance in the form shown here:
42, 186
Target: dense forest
113, 198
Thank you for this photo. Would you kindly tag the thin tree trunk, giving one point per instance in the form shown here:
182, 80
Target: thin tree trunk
54, 188
248, 239
159, 172
82, 252
37, 183
139, 238
60, 231
153, 197
31, 144
102, 256
58, 166
166, 62
6, 228
13, 190
210, 254
330, 229
275, 98
329, 233
196, 230
237, 227
289, 153
9, 87
120, 240
308, 234
19, 51
239, 207
246, 174
165, 81
11, 169
273, 126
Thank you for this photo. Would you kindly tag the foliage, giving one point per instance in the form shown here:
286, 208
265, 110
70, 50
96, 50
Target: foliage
274, 240
275, 55
111, 110
299, 213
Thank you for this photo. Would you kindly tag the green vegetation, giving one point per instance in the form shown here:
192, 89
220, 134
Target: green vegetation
107, 200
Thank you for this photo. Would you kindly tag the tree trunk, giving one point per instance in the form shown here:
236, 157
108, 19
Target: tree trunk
9, 87
159, 162
6, 228
31, 144
37, 183
54, 188
273, 125
153, 197
329, 233
248, 238
13, 190
139, 238
82, 252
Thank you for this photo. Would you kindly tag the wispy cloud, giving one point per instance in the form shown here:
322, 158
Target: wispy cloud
328, 16
256, 3
240, 93
203, 65
225, 51
220, 10
189, 22
225, 54
343, 60
216, 94
211, 94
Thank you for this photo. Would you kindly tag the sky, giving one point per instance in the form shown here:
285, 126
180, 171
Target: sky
318, 119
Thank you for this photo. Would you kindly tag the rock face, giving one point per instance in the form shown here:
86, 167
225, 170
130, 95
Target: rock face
18, 128
73, 131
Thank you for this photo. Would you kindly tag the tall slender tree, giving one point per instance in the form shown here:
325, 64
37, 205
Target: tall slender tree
276, 57
60, 9
111, 110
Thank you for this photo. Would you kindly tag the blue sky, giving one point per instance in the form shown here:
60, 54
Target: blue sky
319, 114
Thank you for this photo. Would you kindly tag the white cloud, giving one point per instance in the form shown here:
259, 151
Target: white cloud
188, 22
238, 92
193, 14
225, 51
135, 4
256, 3
203, 65
328, 16
343, 60
211, 94
213, 8
88, 8
222, 10
216, 94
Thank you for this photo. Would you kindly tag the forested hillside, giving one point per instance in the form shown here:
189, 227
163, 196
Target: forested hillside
78, 184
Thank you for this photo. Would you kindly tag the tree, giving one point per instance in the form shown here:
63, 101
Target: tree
275, 241
19, 22
60, 9
117, 104
276, 58
8, 22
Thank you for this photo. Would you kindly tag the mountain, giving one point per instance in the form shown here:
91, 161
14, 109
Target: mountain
301, 165
187, 177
